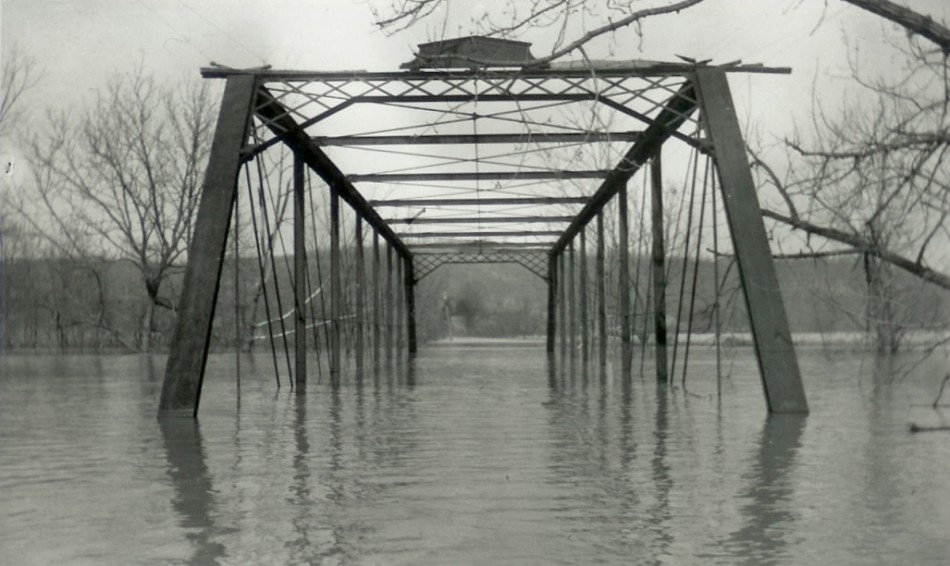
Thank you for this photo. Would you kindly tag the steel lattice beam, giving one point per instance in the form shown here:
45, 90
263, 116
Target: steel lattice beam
483, 220
488, 244
516, 138
476, 176
490, 201
535, 262
481, 234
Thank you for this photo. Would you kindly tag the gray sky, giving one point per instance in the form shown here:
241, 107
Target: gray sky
77, 44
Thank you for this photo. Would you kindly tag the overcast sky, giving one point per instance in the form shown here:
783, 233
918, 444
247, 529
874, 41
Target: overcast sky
77, 44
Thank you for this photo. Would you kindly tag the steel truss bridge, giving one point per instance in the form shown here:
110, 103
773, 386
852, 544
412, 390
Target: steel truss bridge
472, 165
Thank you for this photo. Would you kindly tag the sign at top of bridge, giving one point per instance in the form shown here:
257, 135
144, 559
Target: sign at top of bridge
472, 52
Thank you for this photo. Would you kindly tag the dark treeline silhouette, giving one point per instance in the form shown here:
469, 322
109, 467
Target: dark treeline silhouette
59, 305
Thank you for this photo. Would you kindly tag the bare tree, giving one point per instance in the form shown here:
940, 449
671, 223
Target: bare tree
913, 22
576, 22
874, 176
122, 179
17, 77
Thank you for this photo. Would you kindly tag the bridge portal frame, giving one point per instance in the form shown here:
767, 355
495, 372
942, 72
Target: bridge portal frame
261, 108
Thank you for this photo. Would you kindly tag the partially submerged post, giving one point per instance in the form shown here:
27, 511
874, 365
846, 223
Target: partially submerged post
778, 364
623, 290
410, 282
585, 334
659, 269
181, 389
360, 295
551, 325
336, 287
601, 295
300, 279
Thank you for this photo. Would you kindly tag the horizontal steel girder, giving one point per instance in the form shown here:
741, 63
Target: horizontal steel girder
516, 138
482, 220
484, 176
483, 244
503, 201
583, 72
481, 234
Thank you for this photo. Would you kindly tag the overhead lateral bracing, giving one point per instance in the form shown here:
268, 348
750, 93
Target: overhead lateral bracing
541, 150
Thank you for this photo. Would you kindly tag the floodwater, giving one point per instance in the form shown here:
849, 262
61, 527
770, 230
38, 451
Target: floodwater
472, 456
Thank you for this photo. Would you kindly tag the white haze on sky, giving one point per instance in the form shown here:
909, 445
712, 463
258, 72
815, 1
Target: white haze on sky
79, 44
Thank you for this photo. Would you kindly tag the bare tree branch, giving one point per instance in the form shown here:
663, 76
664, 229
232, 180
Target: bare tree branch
912, 21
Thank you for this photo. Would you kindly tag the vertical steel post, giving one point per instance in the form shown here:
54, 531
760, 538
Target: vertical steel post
601, 294
300, 278
410, 273
778, 364
398, 298
360, 295
623, 280
552, 302
388, 299
572, 301
585, 333
377, 296
659, 267
336, 286
238, 330
184, 372
562, 300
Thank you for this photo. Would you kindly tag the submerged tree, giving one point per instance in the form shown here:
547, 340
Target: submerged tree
122, 180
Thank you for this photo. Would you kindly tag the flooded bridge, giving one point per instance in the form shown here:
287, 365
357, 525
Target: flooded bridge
475, 153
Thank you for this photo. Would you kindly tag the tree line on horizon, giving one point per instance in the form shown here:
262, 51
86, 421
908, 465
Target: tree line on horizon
54, 304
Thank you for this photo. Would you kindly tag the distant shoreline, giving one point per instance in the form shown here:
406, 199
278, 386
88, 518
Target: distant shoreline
913, 340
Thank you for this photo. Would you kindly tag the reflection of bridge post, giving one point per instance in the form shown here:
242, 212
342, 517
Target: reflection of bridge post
768, 488
661, 513
552, 300
194, 492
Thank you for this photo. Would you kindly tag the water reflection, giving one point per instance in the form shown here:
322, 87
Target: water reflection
194, 494
767, 513
301, 495
659, 513
464, 457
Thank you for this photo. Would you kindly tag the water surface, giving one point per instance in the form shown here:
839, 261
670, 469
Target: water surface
471, 456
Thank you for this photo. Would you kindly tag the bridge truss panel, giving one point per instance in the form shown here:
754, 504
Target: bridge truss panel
534, 261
